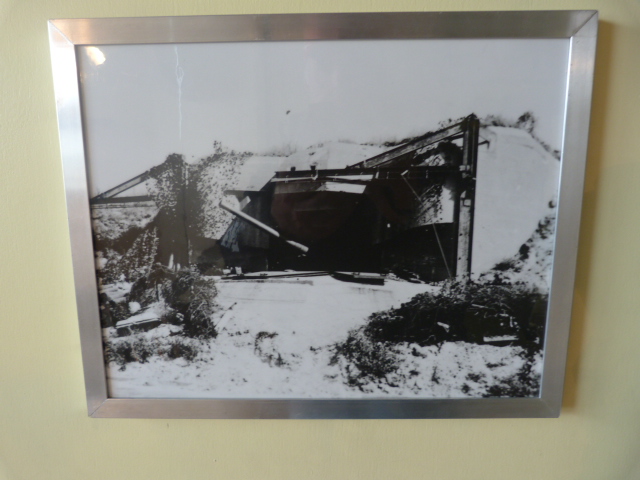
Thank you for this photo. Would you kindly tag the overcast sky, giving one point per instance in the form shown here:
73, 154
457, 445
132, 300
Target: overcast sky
146, 102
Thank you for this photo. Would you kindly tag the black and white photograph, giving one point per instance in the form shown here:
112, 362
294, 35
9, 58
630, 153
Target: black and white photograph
359, 219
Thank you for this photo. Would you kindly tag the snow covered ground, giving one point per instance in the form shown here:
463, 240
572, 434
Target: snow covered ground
276, 340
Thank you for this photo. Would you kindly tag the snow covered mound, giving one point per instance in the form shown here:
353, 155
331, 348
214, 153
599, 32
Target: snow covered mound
531, 265
331, 155
517, 180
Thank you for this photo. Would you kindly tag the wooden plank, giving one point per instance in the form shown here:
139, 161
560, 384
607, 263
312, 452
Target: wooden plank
262, 226
430, 138
466, 200
123, 187
116, 200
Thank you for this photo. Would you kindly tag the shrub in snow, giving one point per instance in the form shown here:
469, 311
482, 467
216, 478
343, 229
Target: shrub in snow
191, 298
181, 349
264, 347
464, 311
128, 351
152, 287
389, 350
365, 360
188, 298
523, 383
141, 349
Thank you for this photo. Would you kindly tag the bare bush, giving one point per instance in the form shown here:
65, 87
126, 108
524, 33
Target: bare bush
377, 354
364, 359
464, 311
191, 296
142, 349
524, 383
129, 351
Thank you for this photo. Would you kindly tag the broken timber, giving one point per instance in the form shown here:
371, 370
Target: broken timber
263, 227
466, 196
110, 195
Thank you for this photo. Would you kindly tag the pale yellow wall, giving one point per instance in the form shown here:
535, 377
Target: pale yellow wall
46, 434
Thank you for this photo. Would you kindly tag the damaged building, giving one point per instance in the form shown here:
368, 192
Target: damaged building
447, 204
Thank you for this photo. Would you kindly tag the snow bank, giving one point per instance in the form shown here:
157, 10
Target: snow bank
517, 179
274, 340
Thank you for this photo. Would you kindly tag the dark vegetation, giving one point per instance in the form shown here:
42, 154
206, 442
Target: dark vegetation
186, 295
466, 312
469, 312
525, 383
130, 254
366, 360
265, 349
140, 350
188, 302
154, 258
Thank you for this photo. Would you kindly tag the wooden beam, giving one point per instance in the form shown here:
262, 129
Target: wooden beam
262, 226
122, 187
466, 197
116, 200
424, 141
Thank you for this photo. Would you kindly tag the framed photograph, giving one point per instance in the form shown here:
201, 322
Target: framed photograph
370, 215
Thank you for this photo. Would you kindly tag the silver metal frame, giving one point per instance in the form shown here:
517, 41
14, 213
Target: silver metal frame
578, 27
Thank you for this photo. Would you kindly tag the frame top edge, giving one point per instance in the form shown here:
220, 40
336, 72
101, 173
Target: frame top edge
587, 13
323, 26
